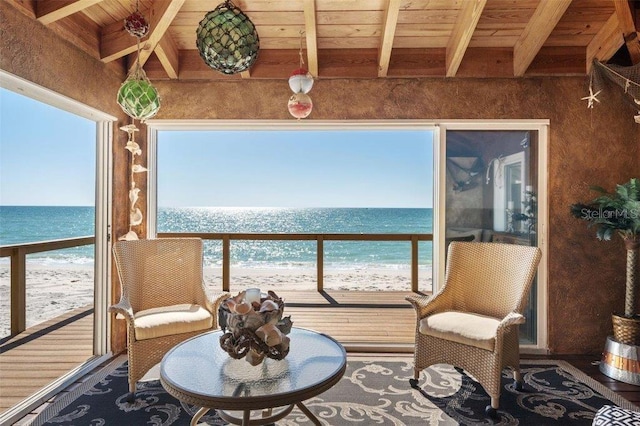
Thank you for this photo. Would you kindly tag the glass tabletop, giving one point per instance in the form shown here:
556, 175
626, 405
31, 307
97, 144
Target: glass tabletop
200, 368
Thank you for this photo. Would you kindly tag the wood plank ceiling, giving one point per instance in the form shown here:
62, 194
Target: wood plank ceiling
361, 38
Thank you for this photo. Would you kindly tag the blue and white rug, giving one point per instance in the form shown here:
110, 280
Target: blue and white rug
372, 392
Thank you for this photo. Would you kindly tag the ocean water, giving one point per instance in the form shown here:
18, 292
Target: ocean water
30, 224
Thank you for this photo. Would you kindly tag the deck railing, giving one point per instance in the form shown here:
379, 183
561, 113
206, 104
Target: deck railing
226, 239
18, 254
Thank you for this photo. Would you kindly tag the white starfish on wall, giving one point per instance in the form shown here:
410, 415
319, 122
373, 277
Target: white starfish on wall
592, 97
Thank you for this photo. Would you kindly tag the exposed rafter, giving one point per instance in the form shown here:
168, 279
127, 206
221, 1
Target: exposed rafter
359, 39
116, 42
628, 28
462, 33
605, 43
388, 32
48, 11
168, 55
161, 16
311, 36
540, 26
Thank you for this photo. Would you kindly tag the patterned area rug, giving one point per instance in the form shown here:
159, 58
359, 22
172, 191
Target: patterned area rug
372, 392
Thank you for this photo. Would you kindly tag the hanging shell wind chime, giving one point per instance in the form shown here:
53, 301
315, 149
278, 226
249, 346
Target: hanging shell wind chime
140, 100
135, 214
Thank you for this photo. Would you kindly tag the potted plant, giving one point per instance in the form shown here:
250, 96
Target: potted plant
619, 212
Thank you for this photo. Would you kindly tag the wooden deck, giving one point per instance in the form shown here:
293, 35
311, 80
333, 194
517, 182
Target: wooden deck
362, 321
36, 357
41, 354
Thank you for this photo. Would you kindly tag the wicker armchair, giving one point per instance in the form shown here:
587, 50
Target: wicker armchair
163, 298
472, 322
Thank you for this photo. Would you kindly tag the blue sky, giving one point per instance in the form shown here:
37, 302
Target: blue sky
295, 169
47, 157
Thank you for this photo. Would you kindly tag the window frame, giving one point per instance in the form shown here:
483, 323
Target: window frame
439, 129
102, 257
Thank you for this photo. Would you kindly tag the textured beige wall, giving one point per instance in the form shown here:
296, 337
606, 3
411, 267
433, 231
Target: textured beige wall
586, 277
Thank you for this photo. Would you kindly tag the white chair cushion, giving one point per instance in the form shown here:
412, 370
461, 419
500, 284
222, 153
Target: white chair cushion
168, 320
462, 327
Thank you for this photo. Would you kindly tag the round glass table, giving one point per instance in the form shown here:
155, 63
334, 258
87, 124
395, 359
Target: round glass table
197, 371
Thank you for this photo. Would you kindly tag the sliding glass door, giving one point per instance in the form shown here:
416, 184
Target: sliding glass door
490, 186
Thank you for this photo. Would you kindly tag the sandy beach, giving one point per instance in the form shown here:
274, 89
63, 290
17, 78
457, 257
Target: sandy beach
53, 290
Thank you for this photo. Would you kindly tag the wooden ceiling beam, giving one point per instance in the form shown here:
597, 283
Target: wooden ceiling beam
462, 32
276, 64
311, 36
544, 19
160, 17
116, 42
628, 28
48, 11
605, 43
168, 55
388, 33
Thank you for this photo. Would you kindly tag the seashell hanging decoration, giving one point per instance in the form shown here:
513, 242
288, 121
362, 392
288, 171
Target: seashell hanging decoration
135, 214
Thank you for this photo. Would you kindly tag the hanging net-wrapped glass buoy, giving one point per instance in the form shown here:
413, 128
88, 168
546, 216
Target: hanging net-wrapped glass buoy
136, 24
137, 97
227, 39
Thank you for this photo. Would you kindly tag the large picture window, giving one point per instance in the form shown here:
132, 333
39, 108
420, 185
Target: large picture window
298, 182
488, 180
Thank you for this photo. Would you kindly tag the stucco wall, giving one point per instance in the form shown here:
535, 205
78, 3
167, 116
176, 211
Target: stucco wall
599, 146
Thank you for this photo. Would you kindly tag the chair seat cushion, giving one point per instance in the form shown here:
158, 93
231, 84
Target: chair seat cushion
462, 327
168, 320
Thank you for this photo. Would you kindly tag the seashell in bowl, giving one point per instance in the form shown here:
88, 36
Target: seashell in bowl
231, 304
254, 357
253, 320
270, 334
243, 308
284, 345
268, 306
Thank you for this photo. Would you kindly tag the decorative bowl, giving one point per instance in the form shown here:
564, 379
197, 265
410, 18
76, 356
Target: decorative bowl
254, 330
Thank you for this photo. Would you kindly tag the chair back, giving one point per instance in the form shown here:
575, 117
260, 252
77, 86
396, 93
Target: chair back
160, 272
490, 278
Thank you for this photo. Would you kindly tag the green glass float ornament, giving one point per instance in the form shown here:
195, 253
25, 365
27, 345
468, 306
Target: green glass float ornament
137, 97
227, 39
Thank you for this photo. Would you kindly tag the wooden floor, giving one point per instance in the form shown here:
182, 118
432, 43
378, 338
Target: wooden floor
361, 321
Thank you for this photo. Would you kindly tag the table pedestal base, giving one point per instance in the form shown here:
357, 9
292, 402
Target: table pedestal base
268, 416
